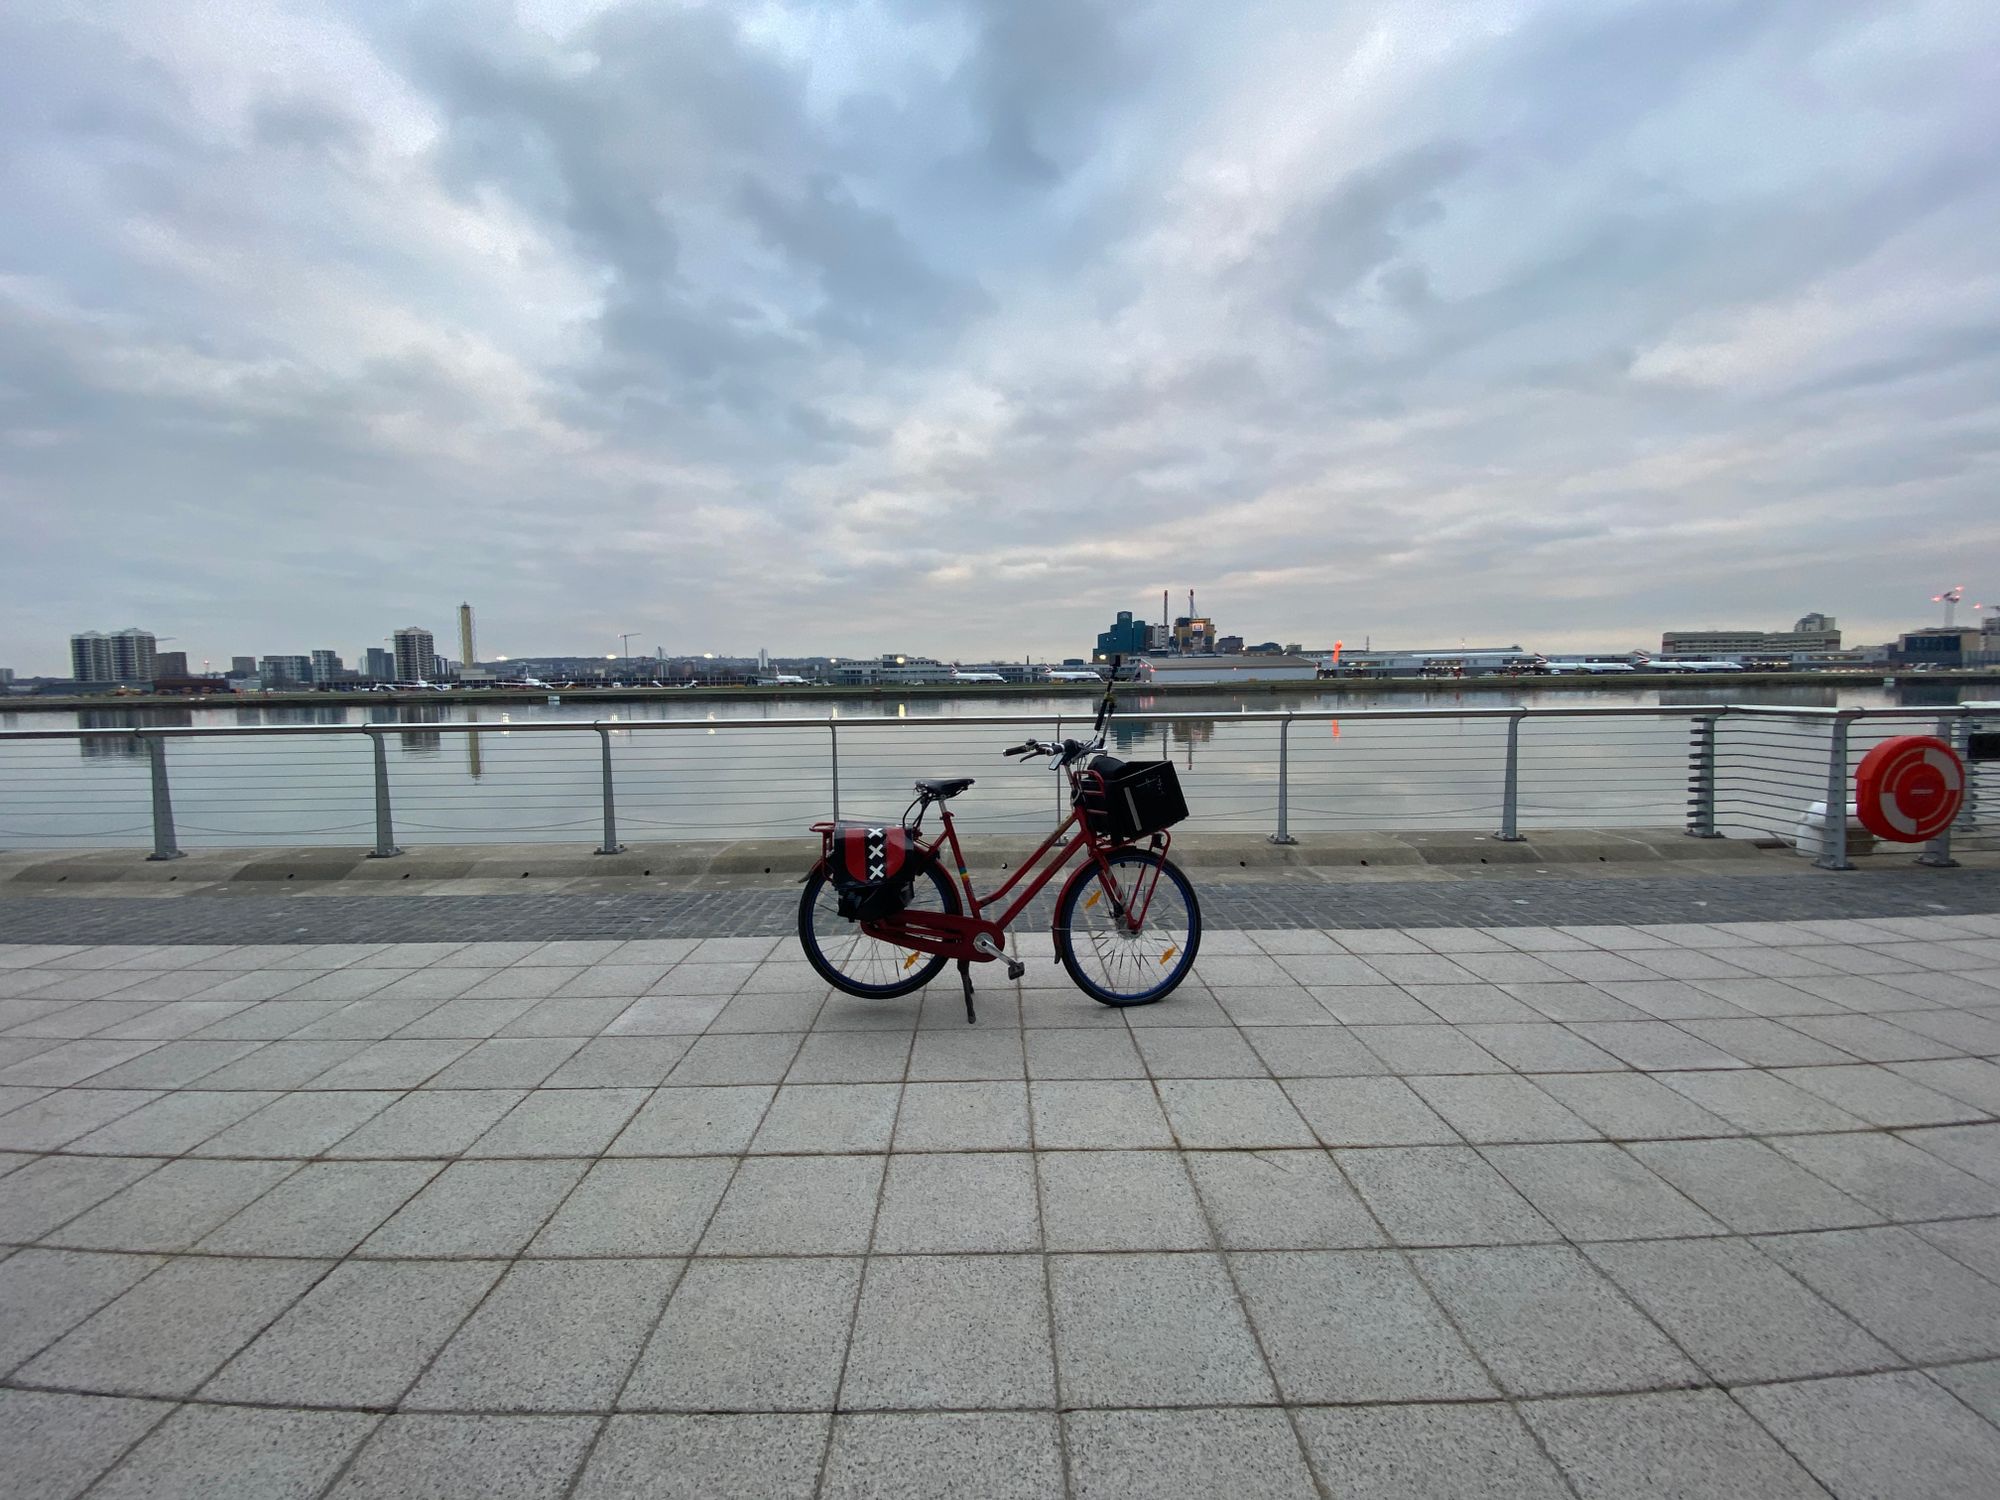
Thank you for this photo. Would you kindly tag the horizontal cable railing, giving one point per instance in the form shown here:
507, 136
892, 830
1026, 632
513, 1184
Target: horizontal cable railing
1719, 770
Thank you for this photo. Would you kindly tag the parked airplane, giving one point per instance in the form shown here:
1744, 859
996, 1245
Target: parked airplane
1071, 674
1694, 666
1588, 668
959, 676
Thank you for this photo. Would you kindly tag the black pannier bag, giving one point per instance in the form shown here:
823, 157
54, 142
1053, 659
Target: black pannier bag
873, 870
1128, 799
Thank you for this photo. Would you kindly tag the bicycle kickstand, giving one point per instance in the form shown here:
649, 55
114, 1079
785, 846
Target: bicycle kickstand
965, 978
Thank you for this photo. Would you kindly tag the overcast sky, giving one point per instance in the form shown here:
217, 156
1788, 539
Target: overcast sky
955, 325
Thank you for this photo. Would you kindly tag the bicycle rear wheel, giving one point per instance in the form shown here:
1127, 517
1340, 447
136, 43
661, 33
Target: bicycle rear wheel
1110, 962
849, 959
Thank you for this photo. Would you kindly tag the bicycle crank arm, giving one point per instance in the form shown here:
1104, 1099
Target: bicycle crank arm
985, 944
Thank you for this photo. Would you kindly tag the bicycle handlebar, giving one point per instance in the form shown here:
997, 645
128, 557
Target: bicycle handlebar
1060, 752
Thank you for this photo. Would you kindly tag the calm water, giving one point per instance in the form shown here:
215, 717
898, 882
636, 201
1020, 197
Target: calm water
725, 771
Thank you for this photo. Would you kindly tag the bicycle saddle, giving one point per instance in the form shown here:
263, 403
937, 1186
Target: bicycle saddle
944, 787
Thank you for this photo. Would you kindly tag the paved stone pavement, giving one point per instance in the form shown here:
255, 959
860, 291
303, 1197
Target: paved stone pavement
1600, 1211
350, 916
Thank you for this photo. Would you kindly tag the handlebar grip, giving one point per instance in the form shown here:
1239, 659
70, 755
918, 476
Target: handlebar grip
1020, 750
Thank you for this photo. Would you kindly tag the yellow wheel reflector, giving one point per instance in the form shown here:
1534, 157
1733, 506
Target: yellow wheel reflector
1095, 897
1166, 957
911, 959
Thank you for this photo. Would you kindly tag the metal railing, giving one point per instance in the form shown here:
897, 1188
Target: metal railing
1716, 769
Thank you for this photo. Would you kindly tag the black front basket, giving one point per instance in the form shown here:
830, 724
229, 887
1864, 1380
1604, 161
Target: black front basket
1128, 799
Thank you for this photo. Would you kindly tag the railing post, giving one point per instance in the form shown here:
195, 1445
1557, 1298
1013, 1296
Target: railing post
610, 844
833, 744
1937, 853
1284, 833
385, 828
1833, 839
1701, 780
164, 846
1510, 786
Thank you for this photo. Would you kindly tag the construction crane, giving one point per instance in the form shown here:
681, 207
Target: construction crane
1950, 600
625, 642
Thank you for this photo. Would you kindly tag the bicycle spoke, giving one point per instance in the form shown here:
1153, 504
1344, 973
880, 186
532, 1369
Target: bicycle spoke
863, 960
1122, 961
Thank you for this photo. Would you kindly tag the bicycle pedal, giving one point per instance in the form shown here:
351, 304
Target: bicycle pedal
1015, 968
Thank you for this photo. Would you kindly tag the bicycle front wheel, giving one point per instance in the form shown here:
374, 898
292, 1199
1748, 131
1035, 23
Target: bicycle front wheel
851, 960
1110, 961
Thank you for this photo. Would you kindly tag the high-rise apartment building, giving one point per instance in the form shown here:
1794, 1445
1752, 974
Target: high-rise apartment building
125, 656
326, 667
170, 664
90, 657
286, 671
416, 654
380, 665
242, 666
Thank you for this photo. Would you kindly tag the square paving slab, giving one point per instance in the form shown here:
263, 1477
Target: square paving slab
605, 1203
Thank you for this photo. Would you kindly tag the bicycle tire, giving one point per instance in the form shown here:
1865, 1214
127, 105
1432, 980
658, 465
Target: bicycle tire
828, 969
1066, 927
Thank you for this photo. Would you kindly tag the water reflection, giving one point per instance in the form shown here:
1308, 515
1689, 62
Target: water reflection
1713, 691
1130, 738
1927, 694
125, 746
416, 741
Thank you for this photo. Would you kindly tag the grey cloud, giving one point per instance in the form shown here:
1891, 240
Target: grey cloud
871, 281
313, 126
1568, 323
1042, 75
1359, 229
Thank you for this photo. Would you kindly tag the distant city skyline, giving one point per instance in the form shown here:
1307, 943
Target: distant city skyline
960, 327
50, 657
415, 645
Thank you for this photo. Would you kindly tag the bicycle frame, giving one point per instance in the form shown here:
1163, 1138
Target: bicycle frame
957, 935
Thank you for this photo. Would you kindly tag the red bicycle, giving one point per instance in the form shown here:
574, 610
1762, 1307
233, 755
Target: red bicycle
880, 916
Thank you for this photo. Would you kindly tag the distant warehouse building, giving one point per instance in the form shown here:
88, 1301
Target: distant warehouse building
1813, 632
892, 669
1217, 670
1935, 647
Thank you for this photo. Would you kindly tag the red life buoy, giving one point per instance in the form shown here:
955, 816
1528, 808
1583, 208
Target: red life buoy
1908, 789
